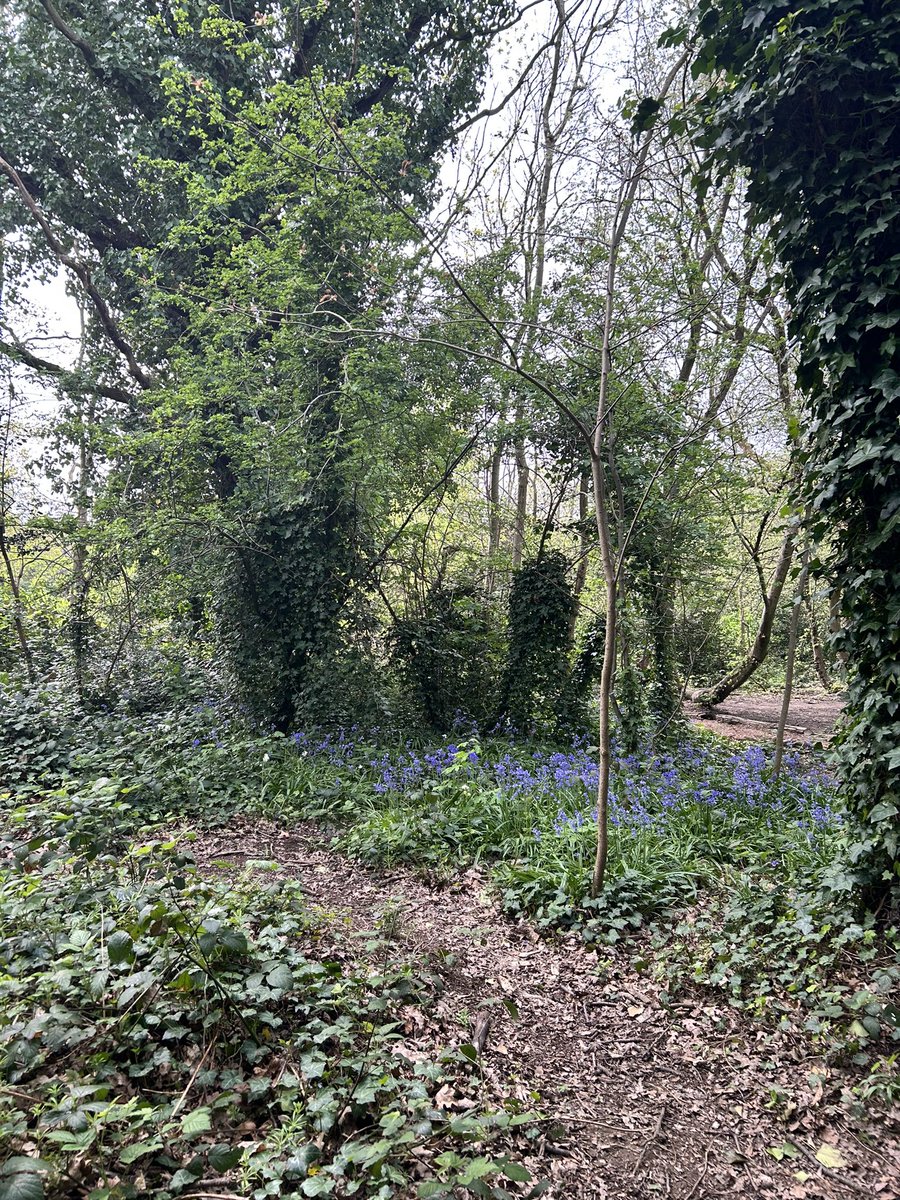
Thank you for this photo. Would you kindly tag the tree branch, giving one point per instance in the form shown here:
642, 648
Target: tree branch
85, 48
79, 269
72, 380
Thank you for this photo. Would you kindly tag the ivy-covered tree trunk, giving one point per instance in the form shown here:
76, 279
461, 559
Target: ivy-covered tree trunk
665, 699
805, 98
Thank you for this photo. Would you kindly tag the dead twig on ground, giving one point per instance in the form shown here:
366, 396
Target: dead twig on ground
832, 1176
190, 1083
701, 1176
651, 1142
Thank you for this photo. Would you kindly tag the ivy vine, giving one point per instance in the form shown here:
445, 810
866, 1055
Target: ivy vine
803, 95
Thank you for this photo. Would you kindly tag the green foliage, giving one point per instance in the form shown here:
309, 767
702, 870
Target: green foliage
771, 948
741, 873
152, 1016
701, 646
282, 614
448, 657
541, 607
36, 735
241, 179
805, 100
631, 695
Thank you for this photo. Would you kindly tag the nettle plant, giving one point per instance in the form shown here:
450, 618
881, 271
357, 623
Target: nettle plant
160, 1027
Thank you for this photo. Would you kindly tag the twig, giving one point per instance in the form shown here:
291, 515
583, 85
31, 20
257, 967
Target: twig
701, 1176
212, 1196
651, 1141
190, 1083
575, 1120
11, 1091
832, 1175
482, 1029
292, 862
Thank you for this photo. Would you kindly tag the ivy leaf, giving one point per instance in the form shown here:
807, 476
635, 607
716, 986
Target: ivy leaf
223, 1158
317, 1185
280, 977
392, 1122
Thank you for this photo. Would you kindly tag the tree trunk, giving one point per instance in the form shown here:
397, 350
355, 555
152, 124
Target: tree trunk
18, 623
606, 679
494, 517
665, 700
734, 679
78, 618
789, 667
523, 473
583, 544
815, 642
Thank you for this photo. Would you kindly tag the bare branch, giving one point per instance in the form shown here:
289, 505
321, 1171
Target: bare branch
71, 380
79, 269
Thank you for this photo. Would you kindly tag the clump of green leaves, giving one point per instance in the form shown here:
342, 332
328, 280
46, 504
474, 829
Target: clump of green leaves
447, 656
541, 606
159, 1027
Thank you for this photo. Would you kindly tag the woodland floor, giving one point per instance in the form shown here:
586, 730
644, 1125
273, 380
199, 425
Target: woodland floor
641, 1101
812, 715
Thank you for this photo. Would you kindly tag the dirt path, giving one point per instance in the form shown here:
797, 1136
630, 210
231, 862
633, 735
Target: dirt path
647, 1102
812, 715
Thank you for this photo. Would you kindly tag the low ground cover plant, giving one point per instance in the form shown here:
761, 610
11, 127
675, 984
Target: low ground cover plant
732, 878
721, 876
161, 1028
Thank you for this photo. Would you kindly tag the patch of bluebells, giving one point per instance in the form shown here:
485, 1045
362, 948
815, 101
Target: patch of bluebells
336, 747
647, 791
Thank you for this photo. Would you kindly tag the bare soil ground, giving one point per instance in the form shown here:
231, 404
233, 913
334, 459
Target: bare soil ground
812, 716
642, 1101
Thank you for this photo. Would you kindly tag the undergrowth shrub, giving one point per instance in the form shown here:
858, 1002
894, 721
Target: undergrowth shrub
159, 1027
535, 682
448, 657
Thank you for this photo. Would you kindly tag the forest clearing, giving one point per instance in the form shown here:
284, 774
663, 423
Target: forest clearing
449, 599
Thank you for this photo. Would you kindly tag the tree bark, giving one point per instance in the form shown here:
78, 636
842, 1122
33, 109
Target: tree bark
494, 515
815, 641
583, 547
523, 474
18, 623
789, 668
734, 679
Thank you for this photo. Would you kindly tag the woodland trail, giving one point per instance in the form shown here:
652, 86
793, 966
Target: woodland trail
749, 715
643, 1101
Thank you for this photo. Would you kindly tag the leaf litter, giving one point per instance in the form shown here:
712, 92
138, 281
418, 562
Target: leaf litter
639, 1099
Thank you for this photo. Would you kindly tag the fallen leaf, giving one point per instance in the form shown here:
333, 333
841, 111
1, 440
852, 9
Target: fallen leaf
830, 1156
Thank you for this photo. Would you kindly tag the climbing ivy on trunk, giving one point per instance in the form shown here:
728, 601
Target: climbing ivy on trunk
803, 95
